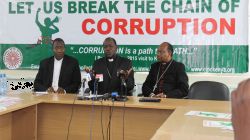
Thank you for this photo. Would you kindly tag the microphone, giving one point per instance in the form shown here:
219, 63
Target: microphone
83, 82
97, 79
106, 96
122, 75
114, 96
87, 90
91, 73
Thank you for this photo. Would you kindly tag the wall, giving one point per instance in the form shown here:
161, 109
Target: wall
231, 80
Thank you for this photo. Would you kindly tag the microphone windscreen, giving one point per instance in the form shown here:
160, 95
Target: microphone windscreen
99, 77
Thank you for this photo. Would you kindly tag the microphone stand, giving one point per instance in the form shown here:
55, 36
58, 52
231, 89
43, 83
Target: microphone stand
83, 85
96, 89
81, 95
123, 91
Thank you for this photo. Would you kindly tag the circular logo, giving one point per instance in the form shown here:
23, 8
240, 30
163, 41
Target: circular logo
12, 58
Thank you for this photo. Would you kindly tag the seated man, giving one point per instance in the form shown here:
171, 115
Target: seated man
59, 73
167, 78
111, 66
241, 111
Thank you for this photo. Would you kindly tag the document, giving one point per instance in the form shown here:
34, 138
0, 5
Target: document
8, 101
39, 93
227, 125
209, 114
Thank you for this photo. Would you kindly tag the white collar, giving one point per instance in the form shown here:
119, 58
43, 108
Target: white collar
111, 59
58, 60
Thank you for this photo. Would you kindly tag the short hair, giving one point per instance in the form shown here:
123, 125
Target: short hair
58, 40
110, 38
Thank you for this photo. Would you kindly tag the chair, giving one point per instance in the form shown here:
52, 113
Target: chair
208, 90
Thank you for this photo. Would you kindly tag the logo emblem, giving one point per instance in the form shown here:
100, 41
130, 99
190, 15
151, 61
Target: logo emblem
12, 58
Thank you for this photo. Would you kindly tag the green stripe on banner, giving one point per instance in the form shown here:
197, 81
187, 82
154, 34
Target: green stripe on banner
197, 58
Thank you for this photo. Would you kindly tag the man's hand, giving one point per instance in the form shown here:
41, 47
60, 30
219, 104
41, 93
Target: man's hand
125, 73
50, 90
161, 95
60, 91
241, 111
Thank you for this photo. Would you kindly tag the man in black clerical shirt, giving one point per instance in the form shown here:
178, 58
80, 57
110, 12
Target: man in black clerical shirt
167, 78
110, 67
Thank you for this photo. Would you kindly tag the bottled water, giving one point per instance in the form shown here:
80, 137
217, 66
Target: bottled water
3, 85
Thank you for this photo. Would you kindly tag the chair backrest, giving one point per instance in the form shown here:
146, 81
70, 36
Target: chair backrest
208, 90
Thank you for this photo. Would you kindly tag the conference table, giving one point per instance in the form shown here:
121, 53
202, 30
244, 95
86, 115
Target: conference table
62, 117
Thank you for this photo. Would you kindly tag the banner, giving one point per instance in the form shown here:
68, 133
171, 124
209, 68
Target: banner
208, 36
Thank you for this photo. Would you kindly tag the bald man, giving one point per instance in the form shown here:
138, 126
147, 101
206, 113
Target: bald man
167, 78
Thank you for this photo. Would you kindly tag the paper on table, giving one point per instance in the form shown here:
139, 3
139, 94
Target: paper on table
218, 124
39, 93
93, 96
8, 101
209, 114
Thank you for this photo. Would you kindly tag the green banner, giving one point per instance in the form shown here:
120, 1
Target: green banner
212, 59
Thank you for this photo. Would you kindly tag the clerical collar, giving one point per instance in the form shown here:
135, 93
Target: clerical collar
164, 63
111, 59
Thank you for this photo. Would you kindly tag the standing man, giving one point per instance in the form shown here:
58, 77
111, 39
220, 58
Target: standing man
111, 67
59, 73
167, 78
